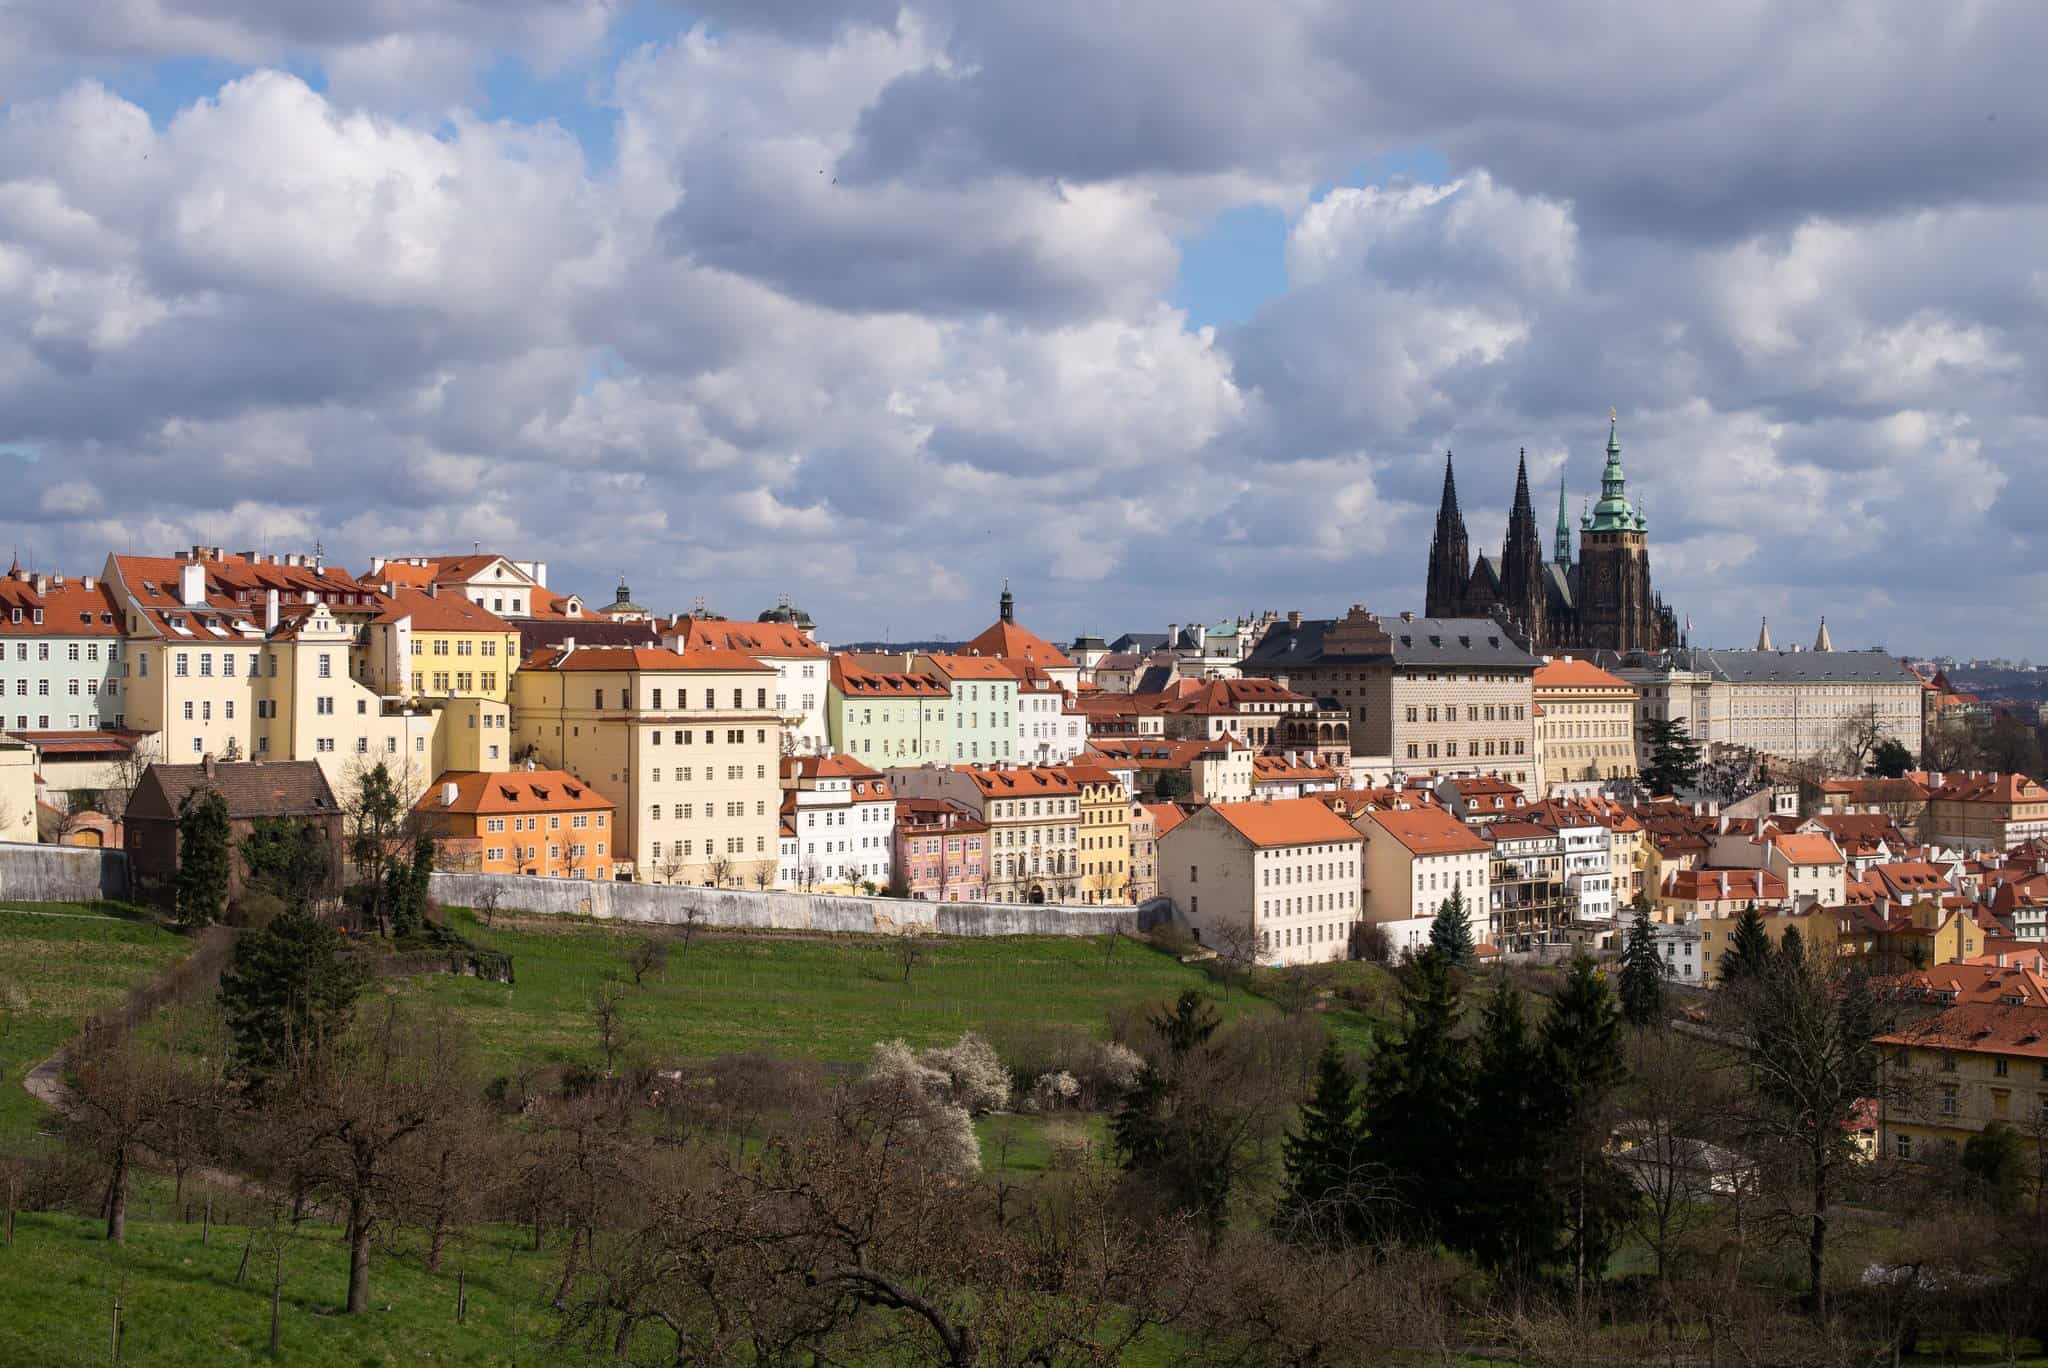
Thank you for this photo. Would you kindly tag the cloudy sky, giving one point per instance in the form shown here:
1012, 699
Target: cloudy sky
1163, 309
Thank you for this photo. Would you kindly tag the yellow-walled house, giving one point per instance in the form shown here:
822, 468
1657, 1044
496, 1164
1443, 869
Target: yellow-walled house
687, 743
429, 644
18, 793
1104, 841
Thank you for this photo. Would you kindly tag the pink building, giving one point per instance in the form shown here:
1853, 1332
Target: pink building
941, 850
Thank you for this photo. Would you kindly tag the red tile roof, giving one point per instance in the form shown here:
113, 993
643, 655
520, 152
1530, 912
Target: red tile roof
644, 658
1807, 848
68, 608
854, 681
1567, 673
1980, 1028
513, 791
1009, 640
449, 612
753, 638
1286, 822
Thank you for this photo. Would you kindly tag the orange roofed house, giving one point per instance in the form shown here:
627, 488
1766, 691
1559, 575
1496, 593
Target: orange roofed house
843, 815
1033, 816
1965, 1068
1978, 811
1278, 881
1414, 857
941, 851
539, 822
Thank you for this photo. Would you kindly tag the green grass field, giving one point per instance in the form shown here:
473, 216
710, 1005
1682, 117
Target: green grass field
181, 1305
822, 998
66, 962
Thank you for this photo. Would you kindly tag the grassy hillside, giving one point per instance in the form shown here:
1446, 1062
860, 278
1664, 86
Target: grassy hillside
181, 1305
821, 998
58, 964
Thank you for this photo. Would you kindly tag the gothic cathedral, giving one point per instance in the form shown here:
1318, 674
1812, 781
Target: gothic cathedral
1603, 602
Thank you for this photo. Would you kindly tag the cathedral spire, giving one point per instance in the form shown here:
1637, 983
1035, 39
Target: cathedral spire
1522, 583
1612, 513
1450, 555
1823, 642
1763, 637
1564, 528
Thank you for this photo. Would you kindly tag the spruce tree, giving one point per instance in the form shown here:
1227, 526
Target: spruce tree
1674, 756
1749, 948
1582, 1067
1418, 1099
398, 900
205, 858
1510, 1222
1642, 972
287, 993
1450, 935
1792, 945
1323, 1161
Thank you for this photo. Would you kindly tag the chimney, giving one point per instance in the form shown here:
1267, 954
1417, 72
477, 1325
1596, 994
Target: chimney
1294, 617
448, 793
88, 582
210, 765
1407, 615
376, 564
270, 610
191, 584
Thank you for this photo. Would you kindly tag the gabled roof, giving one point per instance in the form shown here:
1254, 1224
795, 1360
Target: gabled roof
1428, 831
1024, 782
1980, 1028
513, 791
854, 681
284, 788
1724, 885
1906, 879
69, 607
1807, 848
440, 613
2002, 789
1286, 822
1165, 817
766, 639
955, 665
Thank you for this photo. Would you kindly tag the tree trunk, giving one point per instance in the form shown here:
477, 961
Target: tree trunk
276, 1320
537, 1215
117, 1199
358, 1256
1817, 1239
437, 1242
569, 1268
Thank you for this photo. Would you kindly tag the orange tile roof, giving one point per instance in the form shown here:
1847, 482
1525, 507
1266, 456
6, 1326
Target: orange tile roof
1980, 1028
1428, 831
1568, 673
1909, 878
1009, 640
856, 681
954, 665
69, 609
1165, 817
1989, 788
1022, 782
837, 766
1807, 848
1722, 885
440, 613
754, 638
644, 658
1286, 822
1085, 773
513, 791
1278, 768
1982, 980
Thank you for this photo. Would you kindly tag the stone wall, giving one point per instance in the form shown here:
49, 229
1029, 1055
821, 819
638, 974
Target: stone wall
69, 874
748, 910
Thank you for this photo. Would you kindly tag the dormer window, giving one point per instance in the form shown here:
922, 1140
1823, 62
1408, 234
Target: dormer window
39, 617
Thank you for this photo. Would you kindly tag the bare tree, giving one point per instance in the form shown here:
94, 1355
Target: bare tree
608, 1015
764, 875
1674, 1106
909, 952
670, 863
113, 1109
1237, 950
720, 867
647, 953
1861, 733
810, 875
125, 772
487, 903
392, 1080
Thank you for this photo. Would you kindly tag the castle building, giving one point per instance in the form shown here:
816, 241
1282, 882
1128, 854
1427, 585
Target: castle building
1601, 601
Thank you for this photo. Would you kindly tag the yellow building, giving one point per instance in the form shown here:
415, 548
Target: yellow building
1961, 1070
18, 793
688, 744
1993, 812
426, 644
1104, 841
1585, 723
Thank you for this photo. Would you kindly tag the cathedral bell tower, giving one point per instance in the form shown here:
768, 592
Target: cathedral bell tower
1450, 555
1616, 609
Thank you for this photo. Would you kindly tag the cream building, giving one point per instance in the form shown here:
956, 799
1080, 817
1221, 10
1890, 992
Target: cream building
1795, 705
1426, 696
1286, 874
802, 669
1414, 857
1585, 723
687, 743
18, 793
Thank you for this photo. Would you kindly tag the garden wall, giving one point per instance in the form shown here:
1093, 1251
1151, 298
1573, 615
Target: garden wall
62, 874
743, 909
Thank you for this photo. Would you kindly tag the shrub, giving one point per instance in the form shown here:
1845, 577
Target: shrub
1070, 1147
975, 1077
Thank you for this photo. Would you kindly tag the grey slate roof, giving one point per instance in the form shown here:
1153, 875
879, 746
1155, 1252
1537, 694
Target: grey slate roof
1466, 643
1781, 667
1141, 643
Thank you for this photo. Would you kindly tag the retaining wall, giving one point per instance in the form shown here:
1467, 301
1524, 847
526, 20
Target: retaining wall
52, 873
744, 909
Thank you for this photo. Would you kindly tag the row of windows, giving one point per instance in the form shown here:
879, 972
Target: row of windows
74, 688
1474, 712
72, 649
683, 698
462, 648
91, 722
734, 736
1289, 937
1472, 749
734, 845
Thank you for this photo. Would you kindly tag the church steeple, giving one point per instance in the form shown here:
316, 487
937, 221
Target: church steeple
1006, 606
1823, 642
1521, 558
1563, 555
1763, 637
1450, 554
1612, 513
